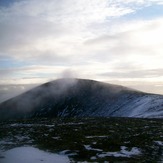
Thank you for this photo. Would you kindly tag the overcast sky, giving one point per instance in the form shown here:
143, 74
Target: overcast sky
116, 41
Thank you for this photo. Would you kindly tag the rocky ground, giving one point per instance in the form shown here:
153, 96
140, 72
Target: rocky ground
113, 140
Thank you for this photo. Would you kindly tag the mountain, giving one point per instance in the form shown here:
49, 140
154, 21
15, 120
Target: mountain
82, 98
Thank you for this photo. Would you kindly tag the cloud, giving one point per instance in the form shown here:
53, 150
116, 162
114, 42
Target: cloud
29, 72
142, 45
26, 25
9, 91
68, 74
55, 30
142, 74
39, 40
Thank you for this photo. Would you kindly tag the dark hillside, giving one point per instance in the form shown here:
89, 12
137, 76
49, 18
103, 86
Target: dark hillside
82, 98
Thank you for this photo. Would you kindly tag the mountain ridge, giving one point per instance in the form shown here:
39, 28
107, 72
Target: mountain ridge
71, 97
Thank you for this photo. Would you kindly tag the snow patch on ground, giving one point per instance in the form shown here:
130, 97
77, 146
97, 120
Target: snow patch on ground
31, 155
16, 139
123, 153
68, 153
88, 147
30, 125
56, 137
160, 143
5, 142
90, 137
71, 124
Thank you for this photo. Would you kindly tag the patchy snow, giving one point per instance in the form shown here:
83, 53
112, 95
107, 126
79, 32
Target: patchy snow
21, 138
141, 106
49, 125
71, 124
88, 147
30, 125
149, 106
90, 137
56, 137
123, 153
21, 125
5, 142
93, 158
160, 143
65, 152
68, 153
16, 140
31, 155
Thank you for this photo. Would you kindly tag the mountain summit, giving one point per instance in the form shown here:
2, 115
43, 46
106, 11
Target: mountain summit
82, 98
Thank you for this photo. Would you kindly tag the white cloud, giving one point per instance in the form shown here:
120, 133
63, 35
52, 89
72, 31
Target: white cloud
26, 24
35, 29
85, 36
9, 91
141, 45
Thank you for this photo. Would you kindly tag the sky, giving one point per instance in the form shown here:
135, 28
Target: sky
114, 41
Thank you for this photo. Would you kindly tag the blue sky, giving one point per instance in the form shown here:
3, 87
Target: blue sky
116, 41
147, 13
6, 3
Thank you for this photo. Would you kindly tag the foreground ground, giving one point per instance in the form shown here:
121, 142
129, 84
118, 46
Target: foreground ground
113, 140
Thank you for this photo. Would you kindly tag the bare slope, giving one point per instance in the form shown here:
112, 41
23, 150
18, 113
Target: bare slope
82, 98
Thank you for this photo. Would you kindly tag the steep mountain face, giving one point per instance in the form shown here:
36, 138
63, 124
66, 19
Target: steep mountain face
82, 98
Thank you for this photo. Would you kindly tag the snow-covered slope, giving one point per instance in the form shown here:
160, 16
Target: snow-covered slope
82, 98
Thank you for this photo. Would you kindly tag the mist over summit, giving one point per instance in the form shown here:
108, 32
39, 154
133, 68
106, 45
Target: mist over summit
71, 97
